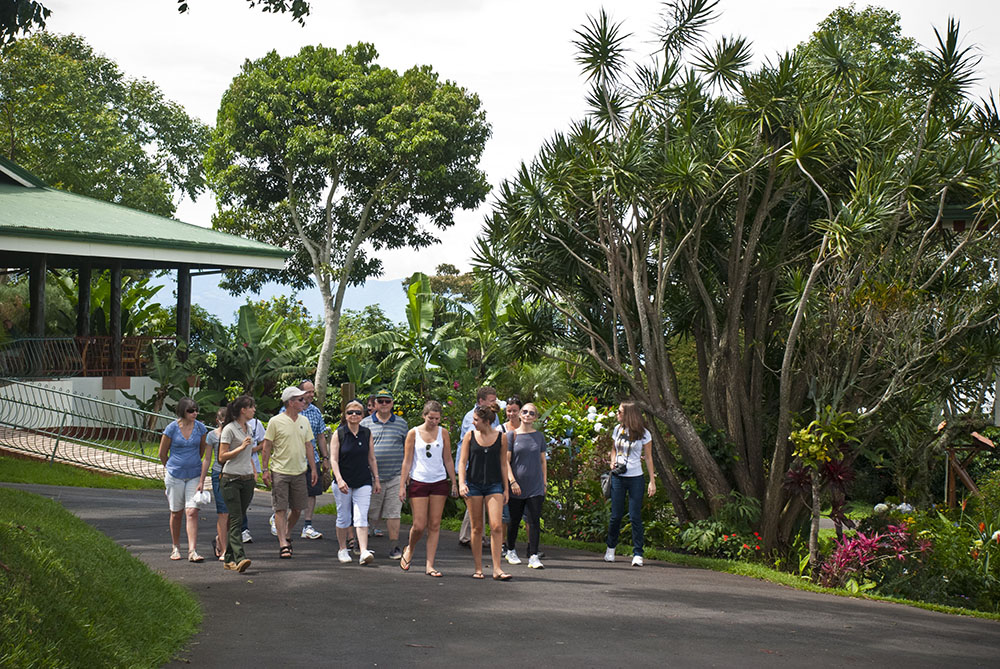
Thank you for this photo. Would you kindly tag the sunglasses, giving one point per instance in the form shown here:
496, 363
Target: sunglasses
354, 412
384, 401
192, 411
428, 447
527, 412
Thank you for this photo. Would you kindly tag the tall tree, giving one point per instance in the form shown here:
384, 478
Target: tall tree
326, 152
791, 219
23, 16
73, 118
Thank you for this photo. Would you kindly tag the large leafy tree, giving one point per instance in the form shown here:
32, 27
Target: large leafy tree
23, 16
73, 118
329, 154
791, 220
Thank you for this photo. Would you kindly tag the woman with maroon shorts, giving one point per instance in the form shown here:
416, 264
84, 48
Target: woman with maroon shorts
427, 468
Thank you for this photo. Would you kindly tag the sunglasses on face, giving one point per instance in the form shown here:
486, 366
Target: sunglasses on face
528, 412
192, 410
354, 412
384, 401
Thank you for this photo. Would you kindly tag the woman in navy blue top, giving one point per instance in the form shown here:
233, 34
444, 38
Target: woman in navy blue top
181, 450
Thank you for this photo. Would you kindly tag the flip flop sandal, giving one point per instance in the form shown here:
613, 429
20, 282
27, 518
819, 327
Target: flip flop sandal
175, 554
478, 576
194, 557
404, 564
434, 573
285, 552
502, 577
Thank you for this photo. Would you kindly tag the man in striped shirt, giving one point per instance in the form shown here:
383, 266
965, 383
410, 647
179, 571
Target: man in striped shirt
388, 435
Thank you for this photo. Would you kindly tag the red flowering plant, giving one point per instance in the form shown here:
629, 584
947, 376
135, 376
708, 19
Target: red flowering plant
862, 561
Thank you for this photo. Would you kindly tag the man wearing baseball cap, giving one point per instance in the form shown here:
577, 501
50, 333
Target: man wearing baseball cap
388, 436
288, 452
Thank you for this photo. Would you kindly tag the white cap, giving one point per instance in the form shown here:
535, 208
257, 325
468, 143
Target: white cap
291, 392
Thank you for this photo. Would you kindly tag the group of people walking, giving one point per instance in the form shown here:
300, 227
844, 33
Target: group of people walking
375, 462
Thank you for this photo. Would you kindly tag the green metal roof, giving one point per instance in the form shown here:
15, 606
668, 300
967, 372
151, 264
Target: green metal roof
37, 218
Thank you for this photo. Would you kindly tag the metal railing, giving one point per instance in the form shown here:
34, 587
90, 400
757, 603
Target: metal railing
61, 426
40, 357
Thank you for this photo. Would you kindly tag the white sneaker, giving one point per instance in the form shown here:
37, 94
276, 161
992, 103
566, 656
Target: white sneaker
344, 555
310, 532
609, 555
366, 557
247, 538
535, 563
512, 557
636, 560
274, 530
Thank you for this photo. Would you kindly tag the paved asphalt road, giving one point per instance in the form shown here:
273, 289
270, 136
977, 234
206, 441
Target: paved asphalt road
311, 611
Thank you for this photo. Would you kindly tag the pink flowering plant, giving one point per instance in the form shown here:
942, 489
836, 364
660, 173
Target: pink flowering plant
861, 561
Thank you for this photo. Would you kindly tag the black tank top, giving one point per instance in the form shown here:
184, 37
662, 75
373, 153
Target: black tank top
484, 462
353, 458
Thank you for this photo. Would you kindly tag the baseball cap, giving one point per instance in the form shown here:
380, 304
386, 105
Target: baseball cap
383, 393
290, 392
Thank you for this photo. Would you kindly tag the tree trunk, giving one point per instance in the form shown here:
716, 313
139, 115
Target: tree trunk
814, 527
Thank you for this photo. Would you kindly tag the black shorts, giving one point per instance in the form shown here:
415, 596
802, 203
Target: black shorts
314, 490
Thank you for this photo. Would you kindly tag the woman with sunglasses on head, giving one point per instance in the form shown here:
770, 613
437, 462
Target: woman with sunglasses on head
528, 476
482, 481
354, 468
427, 470
632, 446
182, 448
238, 475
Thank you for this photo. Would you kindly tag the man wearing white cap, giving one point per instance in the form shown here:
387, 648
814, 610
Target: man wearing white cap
288, 452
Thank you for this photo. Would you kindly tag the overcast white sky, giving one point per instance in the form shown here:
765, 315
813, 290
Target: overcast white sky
516, 55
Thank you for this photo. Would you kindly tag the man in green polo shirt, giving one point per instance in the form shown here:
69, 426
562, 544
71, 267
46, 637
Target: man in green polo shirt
288, 452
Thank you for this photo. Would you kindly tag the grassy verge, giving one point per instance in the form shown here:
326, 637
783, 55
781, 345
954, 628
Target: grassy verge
753, 570
71, 597
23, 470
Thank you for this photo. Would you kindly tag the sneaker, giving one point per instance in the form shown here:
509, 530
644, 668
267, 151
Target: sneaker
352, 545
609, 555
247, 538
636, 560
535, 563
274, 530
512, 557
366, 557
376, 532
344, 555
395, 553
503, 549
309, 532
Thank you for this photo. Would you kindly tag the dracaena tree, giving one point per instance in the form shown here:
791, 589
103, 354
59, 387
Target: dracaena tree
789, 218
330, 155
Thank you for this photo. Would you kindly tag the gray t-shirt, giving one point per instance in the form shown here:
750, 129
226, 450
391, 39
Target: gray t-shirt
234, 435
526, 452
212, 440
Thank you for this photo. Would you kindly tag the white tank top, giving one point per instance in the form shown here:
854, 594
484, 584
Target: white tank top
428, 464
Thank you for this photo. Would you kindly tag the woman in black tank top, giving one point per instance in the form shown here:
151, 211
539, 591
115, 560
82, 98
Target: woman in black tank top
482, 480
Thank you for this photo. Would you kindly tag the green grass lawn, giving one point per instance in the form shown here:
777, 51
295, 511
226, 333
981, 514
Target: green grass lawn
24, 470
71, 597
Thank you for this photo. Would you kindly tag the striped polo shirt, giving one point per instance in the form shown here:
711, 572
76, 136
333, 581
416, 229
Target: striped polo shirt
388, 438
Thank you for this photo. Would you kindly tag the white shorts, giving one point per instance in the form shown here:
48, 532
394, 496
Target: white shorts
355, 501
180, 492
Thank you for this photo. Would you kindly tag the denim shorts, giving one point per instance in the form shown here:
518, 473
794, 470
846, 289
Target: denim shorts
476, 490
220, 504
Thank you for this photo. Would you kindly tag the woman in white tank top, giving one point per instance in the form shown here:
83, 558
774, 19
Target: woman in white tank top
427, 469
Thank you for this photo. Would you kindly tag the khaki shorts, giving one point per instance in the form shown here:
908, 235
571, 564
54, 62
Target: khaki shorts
289, 491
385, 504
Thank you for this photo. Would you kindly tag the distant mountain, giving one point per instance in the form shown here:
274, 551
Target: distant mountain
206, 293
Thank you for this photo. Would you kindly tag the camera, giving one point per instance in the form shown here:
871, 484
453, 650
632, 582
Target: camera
619, 469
